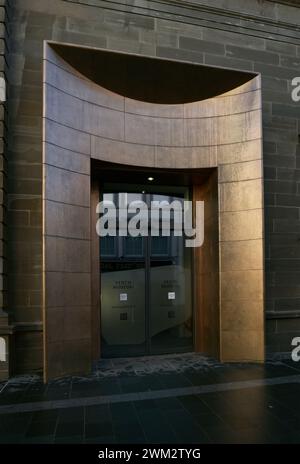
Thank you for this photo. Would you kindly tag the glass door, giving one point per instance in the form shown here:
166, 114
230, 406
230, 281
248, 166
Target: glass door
171, 322
146, 302
123, 282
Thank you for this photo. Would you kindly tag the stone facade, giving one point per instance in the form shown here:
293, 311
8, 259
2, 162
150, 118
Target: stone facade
260, 36
5, 329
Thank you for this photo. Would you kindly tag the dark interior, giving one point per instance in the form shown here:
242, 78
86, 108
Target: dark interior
151, 80
114, 172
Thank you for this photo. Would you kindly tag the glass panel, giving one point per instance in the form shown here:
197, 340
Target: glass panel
122, 264
133, 246
109, 247
122, 308
160, 246
171, 322
138, 316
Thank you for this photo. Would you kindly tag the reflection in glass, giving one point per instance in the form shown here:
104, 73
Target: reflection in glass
171, 327
122, 261
146, 304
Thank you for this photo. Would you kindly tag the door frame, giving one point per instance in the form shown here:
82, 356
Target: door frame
203, 185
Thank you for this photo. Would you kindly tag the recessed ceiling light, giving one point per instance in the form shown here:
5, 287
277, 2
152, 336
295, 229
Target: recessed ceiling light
151, 179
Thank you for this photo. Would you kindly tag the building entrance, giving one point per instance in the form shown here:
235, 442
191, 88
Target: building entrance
146, 284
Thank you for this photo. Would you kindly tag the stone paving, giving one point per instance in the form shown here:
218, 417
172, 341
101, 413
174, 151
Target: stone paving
165, 399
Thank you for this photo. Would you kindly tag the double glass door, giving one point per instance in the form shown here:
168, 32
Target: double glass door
146, 292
